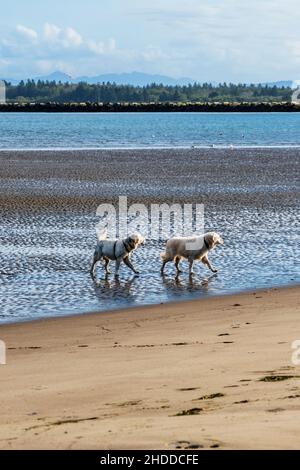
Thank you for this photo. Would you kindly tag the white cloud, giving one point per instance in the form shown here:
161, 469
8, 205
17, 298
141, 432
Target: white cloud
101, 47
96, 46
51, 32
257, 40
56, 48
72, 38
67, 37
27, 32
153, 53
209, 40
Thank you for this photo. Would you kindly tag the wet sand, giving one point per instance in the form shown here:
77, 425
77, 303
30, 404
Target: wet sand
48, 202
82, 179
215, 373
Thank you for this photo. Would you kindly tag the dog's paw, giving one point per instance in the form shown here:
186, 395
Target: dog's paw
214, 270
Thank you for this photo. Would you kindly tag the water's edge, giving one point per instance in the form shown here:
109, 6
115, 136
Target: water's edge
84, 312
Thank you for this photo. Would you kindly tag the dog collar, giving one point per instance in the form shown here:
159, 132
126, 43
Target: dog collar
126, 247
115, 244
206, 244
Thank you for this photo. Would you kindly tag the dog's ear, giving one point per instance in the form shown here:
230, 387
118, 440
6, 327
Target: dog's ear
137, 239
210, 240
141, 239
217, 240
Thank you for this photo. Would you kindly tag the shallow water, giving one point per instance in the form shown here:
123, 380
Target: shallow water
45, 260
132, 130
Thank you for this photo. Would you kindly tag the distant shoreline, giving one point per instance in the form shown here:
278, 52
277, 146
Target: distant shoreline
148, 107
150, 148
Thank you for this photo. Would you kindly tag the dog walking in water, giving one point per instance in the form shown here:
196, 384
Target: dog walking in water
192, 249
116, 250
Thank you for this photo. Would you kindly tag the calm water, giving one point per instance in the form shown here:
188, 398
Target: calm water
117, 130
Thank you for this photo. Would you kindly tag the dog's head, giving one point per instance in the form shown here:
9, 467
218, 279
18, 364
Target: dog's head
135, 240
213, 239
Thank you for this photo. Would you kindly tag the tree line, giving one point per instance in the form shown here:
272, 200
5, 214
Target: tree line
52, 91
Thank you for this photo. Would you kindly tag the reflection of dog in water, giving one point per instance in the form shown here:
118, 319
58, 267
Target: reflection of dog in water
116, 250
113, 287
178, 283
192, 249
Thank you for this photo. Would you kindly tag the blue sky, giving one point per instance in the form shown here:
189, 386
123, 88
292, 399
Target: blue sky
215, 40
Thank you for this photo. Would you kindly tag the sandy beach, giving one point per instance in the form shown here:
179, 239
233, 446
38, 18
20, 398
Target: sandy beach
208, 373
214, 373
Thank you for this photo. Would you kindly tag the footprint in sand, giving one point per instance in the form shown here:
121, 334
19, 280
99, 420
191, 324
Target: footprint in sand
188, 389
277, 378
130, 403
190, 412
212, 396
290, 397
185, 445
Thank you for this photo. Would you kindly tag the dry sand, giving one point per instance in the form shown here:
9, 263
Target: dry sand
126, 379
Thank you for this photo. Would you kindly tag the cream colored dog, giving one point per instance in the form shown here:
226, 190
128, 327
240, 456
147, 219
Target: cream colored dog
116, 250
192, 249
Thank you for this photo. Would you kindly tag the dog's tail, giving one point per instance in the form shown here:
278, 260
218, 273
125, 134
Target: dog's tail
102, 235
164, 256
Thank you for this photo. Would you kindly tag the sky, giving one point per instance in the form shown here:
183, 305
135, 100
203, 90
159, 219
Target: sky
205, 40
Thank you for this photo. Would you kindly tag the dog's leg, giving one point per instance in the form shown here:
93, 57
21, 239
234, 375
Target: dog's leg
165, 261
177, 261
96, 258
206, 261
191, 261
129, 264
118, 262
93, 267
107, 260
92, 271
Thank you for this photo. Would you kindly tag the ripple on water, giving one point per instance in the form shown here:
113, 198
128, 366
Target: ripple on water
45, 264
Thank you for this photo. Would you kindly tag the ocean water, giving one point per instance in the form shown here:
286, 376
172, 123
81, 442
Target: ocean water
128, 130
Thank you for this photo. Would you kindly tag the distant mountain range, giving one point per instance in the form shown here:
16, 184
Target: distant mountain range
136, 79
133, 78
282, 83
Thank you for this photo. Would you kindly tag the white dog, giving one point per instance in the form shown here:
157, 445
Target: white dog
116, 250
191, 248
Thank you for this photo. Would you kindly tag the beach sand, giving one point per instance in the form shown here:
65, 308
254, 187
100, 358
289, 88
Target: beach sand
80, 180
188, 375
171, 376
